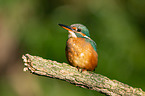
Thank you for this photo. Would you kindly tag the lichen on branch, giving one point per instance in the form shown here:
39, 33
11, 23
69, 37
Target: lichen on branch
85, 79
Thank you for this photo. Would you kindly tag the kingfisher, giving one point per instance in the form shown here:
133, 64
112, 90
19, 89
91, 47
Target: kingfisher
80, 50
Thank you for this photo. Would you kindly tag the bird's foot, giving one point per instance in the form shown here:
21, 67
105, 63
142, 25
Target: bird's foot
81, 69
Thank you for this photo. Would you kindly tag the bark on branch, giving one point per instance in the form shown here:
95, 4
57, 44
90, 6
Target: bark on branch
85, 79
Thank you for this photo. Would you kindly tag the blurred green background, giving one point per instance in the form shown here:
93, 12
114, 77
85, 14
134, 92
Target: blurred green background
30, 26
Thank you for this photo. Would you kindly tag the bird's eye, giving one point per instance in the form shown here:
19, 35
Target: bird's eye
79, 30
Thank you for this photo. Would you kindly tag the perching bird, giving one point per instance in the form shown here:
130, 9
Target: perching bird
80, 49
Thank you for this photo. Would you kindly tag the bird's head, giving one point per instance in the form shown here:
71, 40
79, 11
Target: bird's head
76, 30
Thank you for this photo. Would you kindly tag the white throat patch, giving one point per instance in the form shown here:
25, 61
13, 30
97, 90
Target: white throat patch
72, 34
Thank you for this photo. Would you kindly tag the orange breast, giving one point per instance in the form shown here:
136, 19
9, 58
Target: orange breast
80, 53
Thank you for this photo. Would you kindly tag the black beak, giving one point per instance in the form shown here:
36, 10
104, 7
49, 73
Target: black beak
65, 27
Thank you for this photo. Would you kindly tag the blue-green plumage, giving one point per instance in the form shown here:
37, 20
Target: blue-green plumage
92, 43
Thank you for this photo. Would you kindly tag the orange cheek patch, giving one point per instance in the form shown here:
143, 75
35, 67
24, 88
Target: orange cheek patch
81, 33
74, 28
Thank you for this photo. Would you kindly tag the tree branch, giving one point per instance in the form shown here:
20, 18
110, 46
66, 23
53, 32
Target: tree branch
85, 79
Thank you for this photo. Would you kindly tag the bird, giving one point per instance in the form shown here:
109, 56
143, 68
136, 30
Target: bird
80, 50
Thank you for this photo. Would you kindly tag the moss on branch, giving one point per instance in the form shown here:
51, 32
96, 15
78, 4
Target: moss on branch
85, 79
